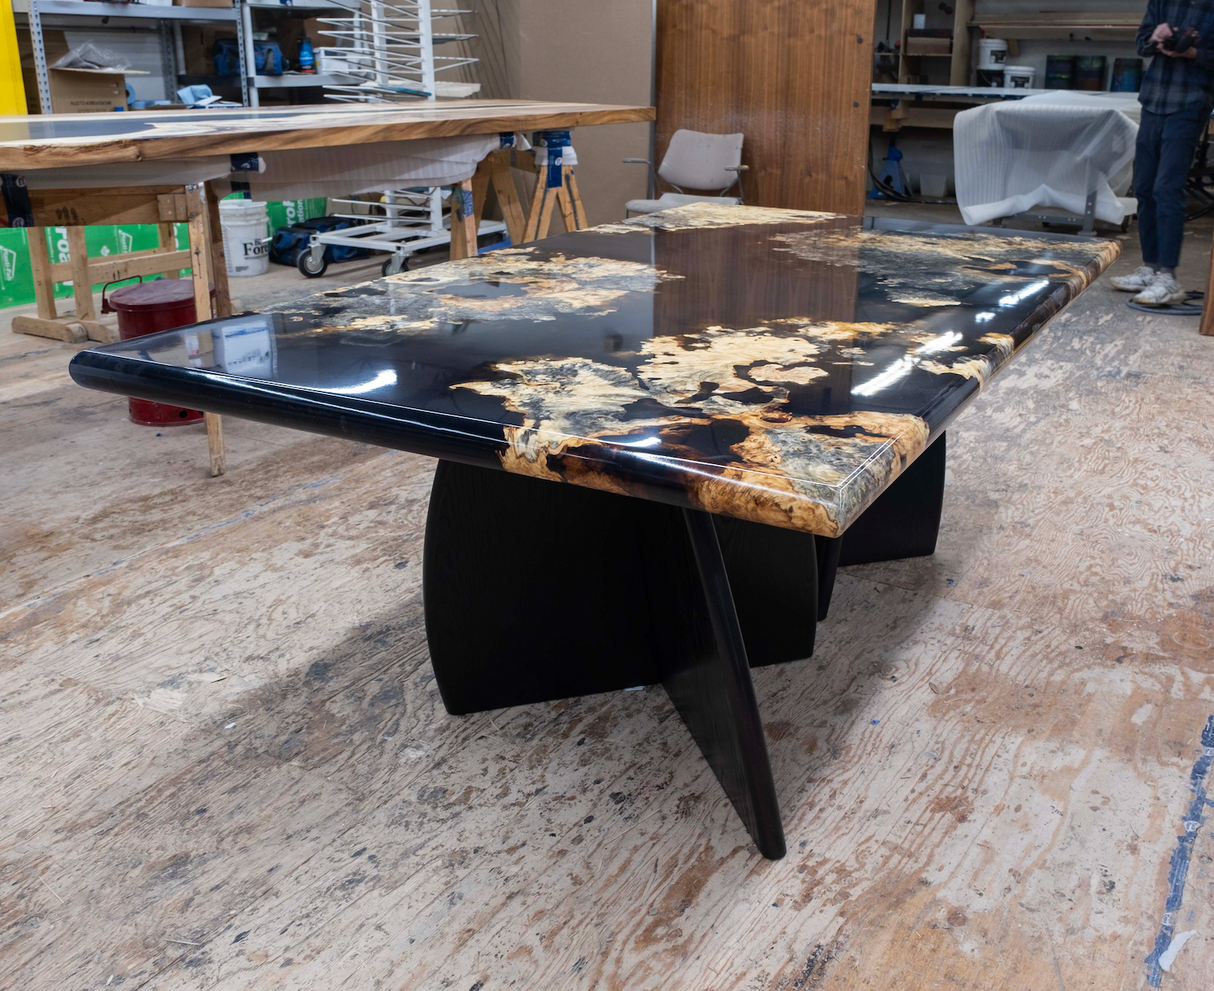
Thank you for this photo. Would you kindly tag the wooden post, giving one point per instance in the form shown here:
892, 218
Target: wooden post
538, 199
542, 206
200, 254
544, 200
565, 202
480, 187
82, 291
507, 196
219, 262
215, 443
166, 239
40, 264
463, 231
579, 209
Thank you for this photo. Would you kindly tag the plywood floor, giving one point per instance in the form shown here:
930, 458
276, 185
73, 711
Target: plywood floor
224, 763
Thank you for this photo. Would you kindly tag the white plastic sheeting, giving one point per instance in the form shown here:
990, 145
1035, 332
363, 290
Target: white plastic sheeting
364, 168
1047, 150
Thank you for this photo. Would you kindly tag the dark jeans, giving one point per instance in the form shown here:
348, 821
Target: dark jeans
1161, 161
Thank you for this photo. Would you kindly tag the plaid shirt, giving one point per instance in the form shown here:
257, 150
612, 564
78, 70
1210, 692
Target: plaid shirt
1172, 84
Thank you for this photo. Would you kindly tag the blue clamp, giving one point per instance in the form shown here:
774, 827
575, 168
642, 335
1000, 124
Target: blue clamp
554, 141
507, 139
16, 200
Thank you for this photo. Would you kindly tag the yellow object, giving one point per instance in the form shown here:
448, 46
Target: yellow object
12, 90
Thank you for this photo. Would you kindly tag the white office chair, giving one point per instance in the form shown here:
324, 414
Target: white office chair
697, 160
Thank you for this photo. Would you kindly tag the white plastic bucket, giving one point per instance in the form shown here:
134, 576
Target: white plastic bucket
992, 53
1018, 76
245, 241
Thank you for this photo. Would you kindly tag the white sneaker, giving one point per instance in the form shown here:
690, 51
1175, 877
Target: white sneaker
1163, 291
1136, 281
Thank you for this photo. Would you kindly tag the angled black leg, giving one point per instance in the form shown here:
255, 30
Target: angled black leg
709, 682
536, 591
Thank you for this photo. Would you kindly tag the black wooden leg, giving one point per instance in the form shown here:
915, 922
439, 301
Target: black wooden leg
775, 588
709, 682
828, 565
531, 589
905, 519
536, 591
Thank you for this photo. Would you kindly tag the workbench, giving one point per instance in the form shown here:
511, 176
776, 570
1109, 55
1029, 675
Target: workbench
898, 105
158, 167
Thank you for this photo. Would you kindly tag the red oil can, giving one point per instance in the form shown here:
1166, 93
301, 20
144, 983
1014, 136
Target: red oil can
147, 308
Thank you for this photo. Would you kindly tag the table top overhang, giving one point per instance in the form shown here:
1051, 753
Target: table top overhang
778, 366
59, 140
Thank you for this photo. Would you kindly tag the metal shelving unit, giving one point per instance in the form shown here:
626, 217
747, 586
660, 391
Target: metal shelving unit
87, 14
253, 82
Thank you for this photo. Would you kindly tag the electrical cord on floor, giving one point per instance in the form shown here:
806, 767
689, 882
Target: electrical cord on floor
887, 190
890, 193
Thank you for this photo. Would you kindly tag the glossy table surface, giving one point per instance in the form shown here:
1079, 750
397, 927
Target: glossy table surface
777, 366
57, 140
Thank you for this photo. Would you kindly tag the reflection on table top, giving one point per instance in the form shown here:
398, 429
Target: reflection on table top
56, 140
773, 365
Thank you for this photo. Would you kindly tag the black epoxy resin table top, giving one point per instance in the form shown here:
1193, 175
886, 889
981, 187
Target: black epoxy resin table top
777, 366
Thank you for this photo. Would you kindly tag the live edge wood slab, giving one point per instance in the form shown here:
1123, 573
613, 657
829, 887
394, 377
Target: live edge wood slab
104, 139
736, 400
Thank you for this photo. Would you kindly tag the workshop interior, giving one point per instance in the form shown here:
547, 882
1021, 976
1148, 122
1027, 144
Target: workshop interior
656, 495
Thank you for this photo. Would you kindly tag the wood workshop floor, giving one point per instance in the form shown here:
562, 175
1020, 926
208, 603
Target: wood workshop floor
224, 763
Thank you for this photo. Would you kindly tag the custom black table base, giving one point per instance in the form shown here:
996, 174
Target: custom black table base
656, 594
657, 439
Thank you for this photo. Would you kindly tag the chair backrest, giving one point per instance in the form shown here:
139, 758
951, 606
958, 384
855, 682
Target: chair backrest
698, 161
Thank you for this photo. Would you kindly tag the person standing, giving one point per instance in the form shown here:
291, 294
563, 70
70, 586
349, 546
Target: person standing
1177, 95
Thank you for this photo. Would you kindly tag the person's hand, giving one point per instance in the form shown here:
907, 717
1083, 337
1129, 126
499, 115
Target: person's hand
1161, 33
1188, 53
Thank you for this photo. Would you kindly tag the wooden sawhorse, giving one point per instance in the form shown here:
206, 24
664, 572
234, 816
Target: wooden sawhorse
495, 169
84, 273
76, 209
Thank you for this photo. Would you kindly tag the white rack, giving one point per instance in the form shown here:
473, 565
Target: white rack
387, 48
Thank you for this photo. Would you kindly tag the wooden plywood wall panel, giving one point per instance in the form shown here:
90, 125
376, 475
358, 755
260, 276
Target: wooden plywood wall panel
792, 75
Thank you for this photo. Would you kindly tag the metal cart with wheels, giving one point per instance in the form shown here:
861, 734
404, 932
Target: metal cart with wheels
413, 222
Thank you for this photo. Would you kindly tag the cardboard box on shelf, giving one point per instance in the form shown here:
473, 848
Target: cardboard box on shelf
929, 41
73, 91
87, 91
202, 3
